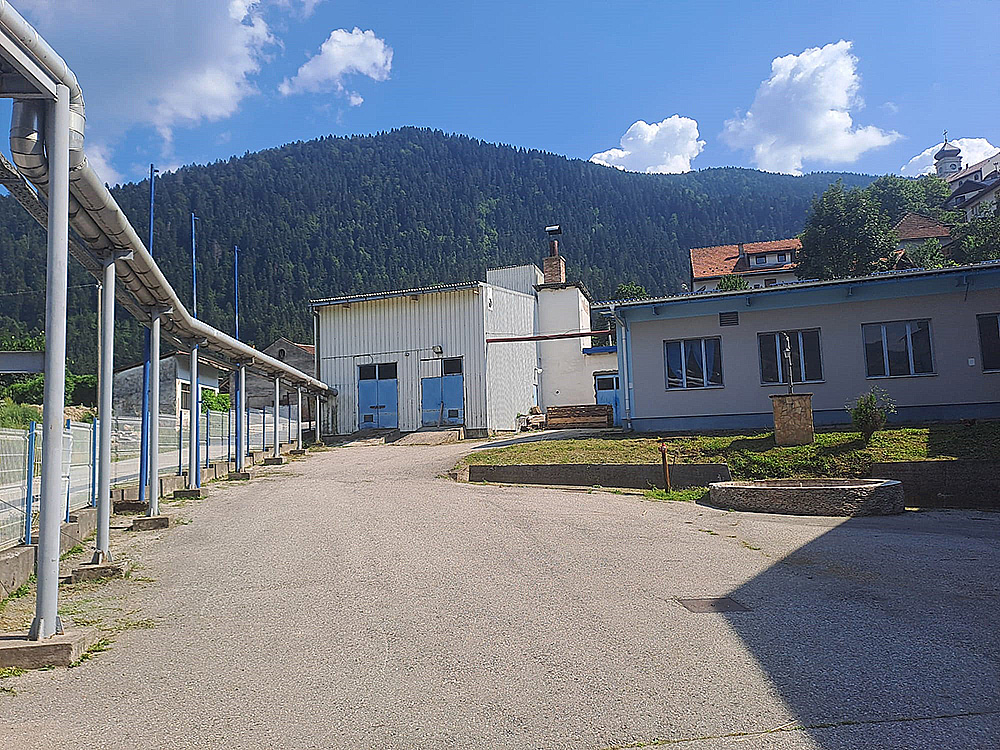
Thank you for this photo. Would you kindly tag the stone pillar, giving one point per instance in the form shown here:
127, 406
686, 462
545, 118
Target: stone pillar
793, 418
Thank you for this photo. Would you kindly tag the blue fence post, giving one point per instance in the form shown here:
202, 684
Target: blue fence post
69, 467
229, 435
93, 463
29, 495
180, 445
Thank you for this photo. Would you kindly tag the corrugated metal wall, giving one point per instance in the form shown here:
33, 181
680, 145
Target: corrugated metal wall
519, 278
510, 366
404, 330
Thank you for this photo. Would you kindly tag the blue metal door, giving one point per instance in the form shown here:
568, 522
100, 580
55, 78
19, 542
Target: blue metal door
442, 398
606, 390
378, 397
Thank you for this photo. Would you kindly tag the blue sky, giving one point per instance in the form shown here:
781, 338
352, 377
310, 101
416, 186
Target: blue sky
785, 86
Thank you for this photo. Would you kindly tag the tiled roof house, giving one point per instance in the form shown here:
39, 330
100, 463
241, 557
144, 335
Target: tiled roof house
764, 263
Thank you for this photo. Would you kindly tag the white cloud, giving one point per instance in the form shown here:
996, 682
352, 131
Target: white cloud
973, 150
160, 64
803, 113
99, 158
667, 146
344, 53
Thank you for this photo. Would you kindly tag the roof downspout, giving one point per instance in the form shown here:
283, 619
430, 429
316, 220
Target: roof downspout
625, 378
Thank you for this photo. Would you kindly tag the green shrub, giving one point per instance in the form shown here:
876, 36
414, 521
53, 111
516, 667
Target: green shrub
17, 416
210, 400
732, 282
870, 412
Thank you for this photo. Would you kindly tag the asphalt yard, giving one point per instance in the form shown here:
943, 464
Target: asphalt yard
357, 599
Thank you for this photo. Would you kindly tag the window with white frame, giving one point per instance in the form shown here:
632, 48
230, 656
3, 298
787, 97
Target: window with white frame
693, 363
989, 341
807, 364
902, 347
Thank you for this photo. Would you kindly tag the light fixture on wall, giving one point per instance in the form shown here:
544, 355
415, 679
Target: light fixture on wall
437, 350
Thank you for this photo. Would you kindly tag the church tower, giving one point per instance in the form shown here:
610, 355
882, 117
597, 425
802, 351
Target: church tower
948, 159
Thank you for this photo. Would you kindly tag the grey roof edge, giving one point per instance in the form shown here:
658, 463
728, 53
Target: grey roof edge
986, 265
372, 296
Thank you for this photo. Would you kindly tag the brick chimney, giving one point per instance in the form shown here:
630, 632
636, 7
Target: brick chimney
554, 266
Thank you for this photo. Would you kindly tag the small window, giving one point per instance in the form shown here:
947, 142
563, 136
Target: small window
989, 341
693, 363
770, 282
281, 354
368, 418
781, 257
452, 366
452, 413
807, 365
366, 372
899, 348
387, 371
760, 259
606, 384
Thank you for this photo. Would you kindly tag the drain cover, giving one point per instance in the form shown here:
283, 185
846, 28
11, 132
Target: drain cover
715, 604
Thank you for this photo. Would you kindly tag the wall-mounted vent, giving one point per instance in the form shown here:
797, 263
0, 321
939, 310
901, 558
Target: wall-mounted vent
729, 318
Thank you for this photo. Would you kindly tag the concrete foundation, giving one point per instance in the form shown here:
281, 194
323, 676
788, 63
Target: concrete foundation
150, 523
127, 507
637, 476
57, 651
194, 494
274, 461
234, 475
96, 572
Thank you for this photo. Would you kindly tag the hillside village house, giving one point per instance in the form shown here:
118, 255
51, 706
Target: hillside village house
260, 390
914, 230
761, 263
974, 189
930, 339
472, 355
175, 385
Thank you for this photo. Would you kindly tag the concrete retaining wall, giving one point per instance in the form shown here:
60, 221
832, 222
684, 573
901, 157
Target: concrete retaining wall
811, 497
634, 476
945, 484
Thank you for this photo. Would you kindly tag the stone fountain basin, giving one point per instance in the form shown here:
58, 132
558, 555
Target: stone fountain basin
810, 497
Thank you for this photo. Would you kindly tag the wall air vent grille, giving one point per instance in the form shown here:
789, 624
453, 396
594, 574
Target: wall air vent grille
729, 318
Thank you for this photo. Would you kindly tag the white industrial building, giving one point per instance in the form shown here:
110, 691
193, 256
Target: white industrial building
474, 354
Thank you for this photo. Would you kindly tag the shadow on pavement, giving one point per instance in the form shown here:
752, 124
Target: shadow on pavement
892, 619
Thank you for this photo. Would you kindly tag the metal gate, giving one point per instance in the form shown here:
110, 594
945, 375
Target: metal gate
606, 391
378, 396
442, 397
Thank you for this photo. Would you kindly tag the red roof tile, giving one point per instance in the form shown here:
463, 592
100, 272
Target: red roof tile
916, 227
308, 347
719, 260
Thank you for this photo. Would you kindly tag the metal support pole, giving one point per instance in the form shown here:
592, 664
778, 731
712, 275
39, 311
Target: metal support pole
194, 464
69, 468
46, 622
29, 495
153, 508
298, 421
144, 425
243, 426
180, 443
93, 462
277, 391
208, 439
102, 553
316, 420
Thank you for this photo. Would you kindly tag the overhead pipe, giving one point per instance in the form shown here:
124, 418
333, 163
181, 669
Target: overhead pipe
97, 218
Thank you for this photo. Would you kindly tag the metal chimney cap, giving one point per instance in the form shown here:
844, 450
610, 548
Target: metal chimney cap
553, 230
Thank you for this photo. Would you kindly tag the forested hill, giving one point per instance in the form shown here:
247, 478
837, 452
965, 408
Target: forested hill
402, 209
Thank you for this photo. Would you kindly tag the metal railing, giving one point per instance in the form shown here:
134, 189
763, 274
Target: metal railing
21, 458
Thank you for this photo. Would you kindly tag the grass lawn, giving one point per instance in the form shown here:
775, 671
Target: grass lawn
755, 456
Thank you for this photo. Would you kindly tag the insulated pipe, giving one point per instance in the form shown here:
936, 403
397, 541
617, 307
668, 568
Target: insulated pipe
277, 395
46, 622
153, 509
194, 468
102, 553
95, 215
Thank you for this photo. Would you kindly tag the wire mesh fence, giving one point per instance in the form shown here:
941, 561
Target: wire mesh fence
21, 458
